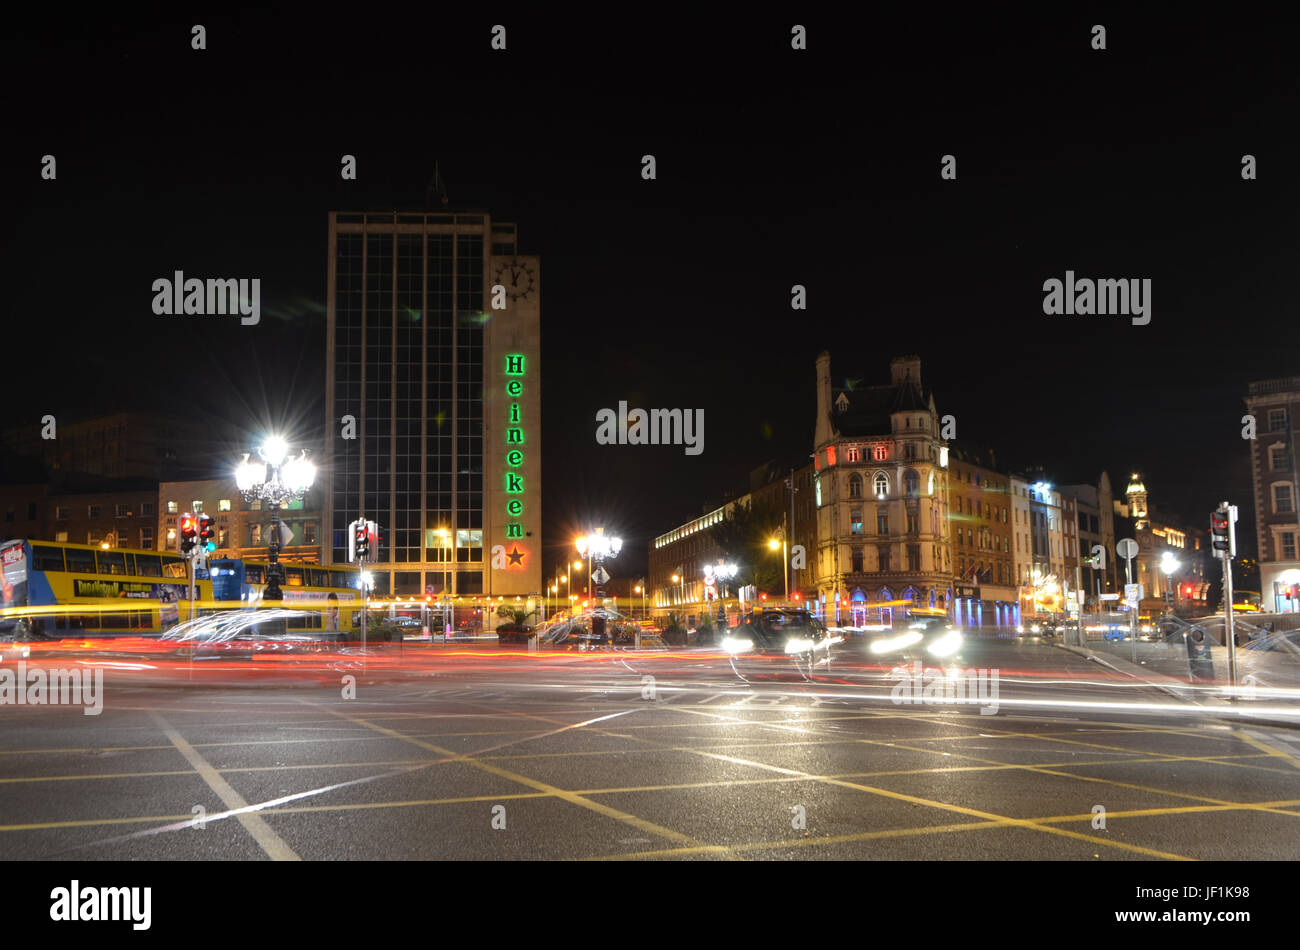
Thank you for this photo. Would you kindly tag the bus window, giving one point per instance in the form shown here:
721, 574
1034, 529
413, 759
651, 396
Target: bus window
148, 565
112, 562
47, 558
293, 576
253, 573
340, 579
316, 578
173, 566
80, 561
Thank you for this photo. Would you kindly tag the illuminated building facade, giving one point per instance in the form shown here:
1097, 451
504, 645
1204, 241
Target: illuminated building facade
1274, 404
880, 486
980, 529
433, 392
1184, 589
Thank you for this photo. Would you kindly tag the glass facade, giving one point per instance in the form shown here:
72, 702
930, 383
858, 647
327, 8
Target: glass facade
408, 348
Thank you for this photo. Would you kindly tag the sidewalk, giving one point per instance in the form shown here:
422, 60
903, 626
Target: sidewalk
1194, 694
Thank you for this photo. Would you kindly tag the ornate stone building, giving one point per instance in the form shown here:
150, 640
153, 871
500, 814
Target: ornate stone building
880, 488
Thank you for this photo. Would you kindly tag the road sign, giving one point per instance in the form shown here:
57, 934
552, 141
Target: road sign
1126, 548
600, 575
1110, 596
1132, 594
286, 535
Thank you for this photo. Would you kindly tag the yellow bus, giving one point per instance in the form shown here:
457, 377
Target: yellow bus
60, 589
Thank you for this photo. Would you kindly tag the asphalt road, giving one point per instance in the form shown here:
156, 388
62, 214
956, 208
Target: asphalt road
457, 754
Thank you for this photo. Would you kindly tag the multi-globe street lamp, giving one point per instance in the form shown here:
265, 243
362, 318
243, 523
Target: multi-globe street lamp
596, 547
276, 480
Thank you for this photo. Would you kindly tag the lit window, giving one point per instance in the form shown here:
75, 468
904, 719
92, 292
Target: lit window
197, 506
879, 453
880, 483
223, 504
172, 508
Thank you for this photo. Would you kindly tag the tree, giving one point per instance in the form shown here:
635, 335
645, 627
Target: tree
742, 538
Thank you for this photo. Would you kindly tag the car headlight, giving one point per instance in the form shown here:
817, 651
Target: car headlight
798, 645
900, 642
735, 645
1036, 629
1020, 629
946, 645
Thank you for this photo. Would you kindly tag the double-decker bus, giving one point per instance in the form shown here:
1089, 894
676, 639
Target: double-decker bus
327, 596
60, 589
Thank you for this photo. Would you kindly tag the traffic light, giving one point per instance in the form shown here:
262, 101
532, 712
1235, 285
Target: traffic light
207, 532
187, 534
1223, 534
360, 541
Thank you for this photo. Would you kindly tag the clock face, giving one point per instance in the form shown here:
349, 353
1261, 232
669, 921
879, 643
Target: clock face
519, 280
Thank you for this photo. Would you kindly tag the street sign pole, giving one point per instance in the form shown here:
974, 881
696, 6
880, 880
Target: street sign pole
1127, 549
1229, 633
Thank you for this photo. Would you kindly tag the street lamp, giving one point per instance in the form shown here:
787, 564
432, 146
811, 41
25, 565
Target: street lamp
276, 480
1170, 564
596, 547
444, 600
785, 557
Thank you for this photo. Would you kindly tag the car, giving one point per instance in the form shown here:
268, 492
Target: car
922, 638
779, 631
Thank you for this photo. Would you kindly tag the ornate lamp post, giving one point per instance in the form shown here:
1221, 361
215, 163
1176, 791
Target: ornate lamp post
275, 480
596, 547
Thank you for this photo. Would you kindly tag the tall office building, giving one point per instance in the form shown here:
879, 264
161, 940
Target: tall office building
433, 391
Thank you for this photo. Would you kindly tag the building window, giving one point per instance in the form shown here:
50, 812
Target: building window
879, 453
855, 486
911, 451
855, 521
309, 533
93, 511
254, 534
913, 523
881, 484
121, 511
857, 560
1282, 499
61, 536
146, 539
883, 554
223, 538
146, 509
1277, 457
223, 504
1288, 545
912, 483
853, 454
172, 508
1277, 420
62, 513
197, 506
882, 523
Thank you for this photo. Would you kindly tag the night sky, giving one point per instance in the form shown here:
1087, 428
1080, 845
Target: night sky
775, 167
